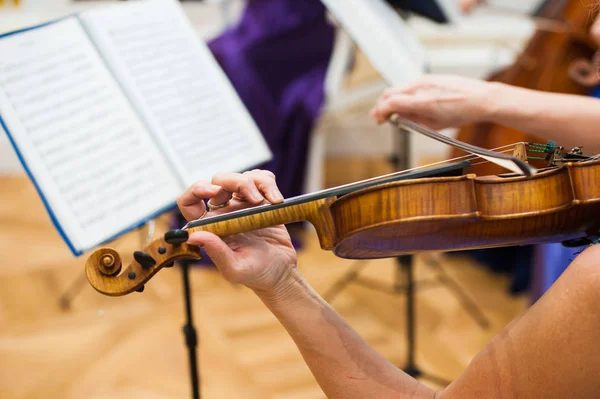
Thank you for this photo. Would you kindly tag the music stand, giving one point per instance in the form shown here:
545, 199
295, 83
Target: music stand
189, 331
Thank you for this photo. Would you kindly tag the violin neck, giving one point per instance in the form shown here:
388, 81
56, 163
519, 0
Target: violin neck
313, 207
316, 212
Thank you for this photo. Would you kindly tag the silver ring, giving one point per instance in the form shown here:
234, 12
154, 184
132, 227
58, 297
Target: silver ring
213, 207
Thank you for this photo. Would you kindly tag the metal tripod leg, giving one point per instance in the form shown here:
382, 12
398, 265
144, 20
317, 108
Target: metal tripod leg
406, 264
189, 332
467, 303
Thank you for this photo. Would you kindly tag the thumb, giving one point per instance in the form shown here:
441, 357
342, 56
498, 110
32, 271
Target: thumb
215, 247
402, 104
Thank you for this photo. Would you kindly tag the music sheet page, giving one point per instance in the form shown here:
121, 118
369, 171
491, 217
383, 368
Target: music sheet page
383, 36
178, 87
92, 159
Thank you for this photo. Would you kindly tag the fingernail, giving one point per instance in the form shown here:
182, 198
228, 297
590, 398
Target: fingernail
277, 195
213, 187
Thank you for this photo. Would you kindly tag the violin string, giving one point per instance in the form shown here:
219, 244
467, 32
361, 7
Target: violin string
505, 148
502, 149
406, 171
484, 161
358, 184
469, 157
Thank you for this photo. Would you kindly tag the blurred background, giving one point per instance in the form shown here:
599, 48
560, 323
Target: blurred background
61, 339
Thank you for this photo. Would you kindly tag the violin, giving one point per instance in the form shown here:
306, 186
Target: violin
559, 58
432, 208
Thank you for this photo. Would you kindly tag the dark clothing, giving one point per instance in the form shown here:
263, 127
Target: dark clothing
277, 57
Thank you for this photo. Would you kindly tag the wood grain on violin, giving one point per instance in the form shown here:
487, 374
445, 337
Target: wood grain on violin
469, 213
409, 216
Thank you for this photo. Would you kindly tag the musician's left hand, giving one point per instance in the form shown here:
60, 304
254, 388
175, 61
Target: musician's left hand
263, 259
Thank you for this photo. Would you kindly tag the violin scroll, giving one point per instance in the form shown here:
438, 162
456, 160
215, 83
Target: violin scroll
103, 267
584, 72
109, 263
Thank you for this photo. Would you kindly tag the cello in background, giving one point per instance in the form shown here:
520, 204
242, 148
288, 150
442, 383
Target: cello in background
556, 59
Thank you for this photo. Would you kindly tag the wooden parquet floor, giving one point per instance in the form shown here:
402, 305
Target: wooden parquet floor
133, 347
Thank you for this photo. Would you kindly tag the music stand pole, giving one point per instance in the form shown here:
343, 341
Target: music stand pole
402, 161
189, 331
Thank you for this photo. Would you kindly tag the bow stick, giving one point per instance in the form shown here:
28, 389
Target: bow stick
509, 162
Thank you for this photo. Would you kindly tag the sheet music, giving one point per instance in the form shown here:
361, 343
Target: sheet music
178, 88
383, 36
90, 156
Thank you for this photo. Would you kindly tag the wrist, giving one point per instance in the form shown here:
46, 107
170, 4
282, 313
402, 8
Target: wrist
282, 287
289, 289
495, 100
503, 103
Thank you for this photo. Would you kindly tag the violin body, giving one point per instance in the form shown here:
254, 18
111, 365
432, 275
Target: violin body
550, 62
386, 220
468, 212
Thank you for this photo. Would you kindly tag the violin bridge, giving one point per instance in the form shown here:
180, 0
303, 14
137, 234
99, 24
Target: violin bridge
520, 152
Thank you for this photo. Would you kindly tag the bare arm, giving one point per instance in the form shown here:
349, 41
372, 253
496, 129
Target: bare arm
550, 351
444, 101
570, 120
343, 363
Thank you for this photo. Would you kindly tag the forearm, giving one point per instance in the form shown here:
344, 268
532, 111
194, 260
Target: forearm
569, 120
343, 363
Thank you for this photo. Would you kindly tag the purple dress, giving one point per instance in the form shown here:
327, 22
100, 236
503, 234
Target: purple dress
276, 58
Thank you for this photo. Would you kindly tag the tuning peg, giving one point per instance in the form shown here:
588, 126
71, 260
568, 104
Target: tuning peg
144, 259
141, 289
176, 237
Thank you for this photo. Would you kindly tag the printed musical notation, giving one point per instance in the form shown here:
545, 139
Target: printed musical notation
93, 156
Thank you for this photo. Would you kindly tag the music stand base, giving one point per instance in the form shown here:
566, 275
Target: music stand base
189, 332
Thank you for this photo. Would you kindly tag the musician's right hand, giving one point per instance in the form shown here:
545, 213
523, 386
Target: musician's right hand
263, 260
438, 101
467, 5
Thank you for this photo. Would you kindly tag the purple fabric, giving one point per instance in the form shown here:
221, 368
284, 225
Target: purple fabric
276, 58
549, 262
